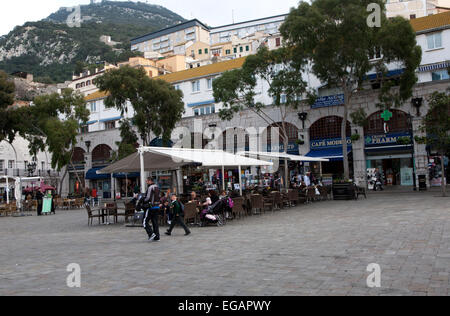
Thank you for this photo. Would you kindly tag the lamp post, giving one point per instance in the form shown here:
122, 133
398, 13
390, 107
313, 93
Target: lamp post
31, 168
409, 121
88, 145
302, 117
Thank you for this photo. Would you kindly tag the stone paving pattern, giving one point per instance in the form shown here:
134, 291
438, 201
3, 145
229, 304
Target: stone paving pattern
318, 249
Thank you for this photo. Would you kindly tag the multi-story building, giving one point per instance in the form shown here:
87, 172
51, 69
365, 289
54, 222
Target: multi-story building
315, 133
411, 9
84, 82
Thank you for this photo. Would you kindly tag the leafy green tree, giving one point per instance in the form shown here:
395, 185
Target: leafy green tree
335, 37
129, 142
7, 91
237, 90
157, 105
436, 126
52, 124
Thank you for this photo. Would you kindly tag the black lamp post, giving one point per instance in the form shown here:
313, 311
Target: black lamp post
417, 103
302, 117
88, 145
31, 168
409, 121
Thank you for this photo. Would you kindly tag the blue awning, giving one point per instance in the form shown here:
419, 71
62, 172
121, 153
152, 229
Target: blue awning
191, 105
333, 154
132, 175
392, 73
111, 119
384, 149
92, 174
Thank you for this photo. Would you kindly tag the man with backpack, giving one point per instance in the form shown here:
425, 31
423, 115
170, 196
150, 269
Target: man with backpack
152, 206
177, 216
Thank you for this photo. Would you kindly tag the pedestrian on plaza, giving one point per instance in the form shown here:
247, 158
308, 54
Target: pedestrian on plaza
379, 180
40, 200
165, 205
152, 208
178, 216
307, 179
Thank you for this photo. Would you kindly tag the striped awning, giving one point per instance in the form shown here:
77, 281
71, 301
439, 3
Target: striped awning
438, 66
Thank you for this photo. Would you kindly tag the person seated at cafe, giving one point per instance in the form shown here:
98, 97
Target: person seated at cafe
193, 197
214, 197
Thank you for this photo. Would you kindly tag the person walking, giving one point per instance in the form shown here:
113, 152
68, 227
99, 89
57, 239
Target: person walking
152, 207
178, 217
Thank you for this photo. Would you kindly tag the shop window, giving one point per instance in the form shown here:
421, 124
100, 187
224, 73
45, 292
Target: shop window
434, 41
398, 123
110, 125
440, 75
328, 127
292, 133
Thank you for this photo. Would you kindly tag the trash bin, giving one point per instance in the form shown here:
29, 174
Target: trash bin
422, 183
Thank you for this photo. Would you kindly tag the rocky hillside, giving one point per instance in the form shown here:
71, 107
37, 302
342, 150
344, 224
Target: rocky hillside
52, 50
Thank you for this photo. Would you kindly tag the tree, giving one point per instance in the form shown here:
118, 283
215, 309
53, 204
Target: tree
129, 141
335, 37
7, 90
52, 124
157, 105
436, 126
236, 89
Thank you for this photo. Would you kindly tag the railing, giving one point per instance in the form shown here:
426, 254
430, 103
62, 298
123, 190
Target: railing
24, 173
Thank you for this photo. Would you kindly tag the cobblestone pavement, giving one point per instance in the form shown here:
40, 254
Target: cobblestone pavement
318, 249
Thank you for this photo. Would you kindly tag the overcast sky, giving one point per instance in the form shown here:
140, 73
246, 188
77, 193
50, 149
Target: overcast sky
211, 12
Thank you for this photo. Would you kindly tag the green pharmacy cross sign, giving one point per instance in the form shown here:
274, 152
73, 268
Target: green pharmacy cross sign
387, 115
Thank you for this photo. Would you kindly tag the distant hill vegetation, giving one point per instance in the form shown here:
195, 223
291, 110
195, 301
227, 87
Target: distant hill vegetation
53, 51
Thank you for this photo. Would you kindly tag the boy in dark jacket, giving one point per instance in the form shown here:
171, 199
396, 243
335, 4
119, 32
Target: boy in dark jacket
177, 216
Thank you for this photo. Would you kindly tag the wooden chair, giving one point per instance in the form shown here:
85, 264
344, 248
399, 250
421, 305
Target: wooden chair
310, 195
238, 209
128, 211
277, 200
293, 196
257, 203
111, 209
190, 213
269, 202
91, 216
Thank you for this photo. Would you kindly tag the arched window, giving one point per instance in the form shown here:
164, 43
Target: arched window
292, 132
398, 123
101, 153
78, 155
328, 127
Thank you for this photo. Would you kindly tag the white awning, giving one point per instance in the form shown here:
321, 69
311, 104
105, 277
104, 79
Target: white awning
282, 156
158, 158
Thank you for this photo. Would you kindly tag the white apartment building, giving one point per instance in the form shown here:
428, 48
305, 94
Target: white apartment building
411, 9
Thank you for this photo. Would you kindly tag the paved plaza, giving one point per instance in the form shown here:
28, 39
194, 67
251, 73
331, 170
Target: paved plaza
318, 249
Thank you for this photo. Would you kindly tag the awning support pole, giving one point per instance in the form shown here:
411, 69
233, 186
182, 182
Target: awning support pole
7, 190
223, 178
141, 154
240, 180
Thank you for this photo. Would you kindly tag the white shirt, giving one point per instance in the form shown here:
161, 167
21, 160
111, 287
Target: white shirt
307, 181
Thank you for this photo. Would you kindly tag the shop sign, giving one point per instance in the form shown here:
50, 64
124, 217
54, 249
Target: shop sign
386, 139
331, 100
292, 148
329, 143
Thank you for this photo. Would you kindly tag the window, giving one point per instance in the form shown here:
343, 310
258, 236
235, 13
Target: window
328, 127
11, 164
434, 41
84, 129
200, 51
241, 49
2, 165
93, 106
88, 83
209, 83
278, 42
412, 16
376, 54
196, 86
110, 125
440, 75
205, 110
247, 48
42, 165
206, 51
177, 87
235, 50
228, 52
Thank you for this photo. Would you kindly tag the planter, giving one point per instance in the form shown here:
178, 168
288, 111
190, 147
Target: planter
345, 191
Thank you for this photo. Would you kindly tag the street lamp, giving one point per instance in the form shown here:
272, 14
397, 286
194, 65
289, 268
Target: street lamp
409, 121
302, 117
31, 168
88, 145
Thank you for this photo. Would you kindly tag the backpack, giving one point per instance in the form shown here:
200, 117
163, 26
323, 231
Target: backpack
182, 206
230, 203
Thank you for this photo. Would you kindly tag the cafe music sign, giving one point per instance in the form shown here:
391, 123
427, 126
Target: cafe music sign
329, 143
